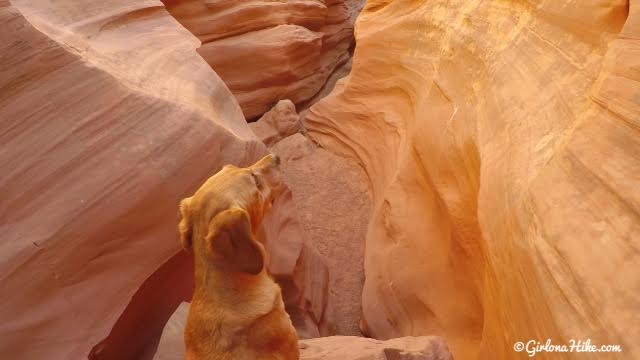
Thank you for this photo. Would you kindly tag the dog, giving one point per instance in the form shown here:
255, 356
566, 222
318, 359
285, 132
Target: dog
236, 312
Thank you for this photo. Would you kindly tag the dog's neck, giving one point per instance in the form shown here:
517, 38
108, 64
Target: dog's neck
214, 285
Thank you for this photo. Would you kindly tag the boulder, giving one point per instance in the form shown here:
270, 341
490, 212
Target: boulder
276, 124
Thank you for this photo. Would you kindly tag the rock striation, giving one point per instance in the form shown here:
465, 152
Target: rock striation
100, 138
266, 51
109, 117
501, 145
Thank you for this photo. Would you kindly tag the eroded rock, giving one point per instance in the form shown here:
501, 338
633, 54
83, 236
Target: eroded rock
500, 142
276, 124
109, 117
329, 208
266, 51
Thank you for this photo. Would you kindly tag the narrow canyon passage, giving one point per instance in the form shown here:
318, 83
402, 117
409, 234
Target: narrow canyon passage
329, 201
332, 205
296, 51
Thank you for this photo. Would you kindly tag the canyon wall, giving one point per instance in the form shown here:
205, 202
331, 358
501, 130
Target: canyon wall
266, 51
102, 134
501, 143
108, 118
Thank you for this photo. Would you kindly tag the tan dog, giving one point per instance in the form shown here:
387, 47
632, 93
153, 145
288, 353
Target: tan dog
237, 311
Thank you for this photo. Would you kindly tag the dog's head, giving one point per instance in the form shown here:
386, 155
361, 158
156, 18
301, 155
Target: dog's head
220, 220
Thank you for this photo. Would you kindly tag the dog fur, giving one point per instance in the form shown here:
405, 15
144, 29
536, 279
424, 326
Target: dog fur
237, 312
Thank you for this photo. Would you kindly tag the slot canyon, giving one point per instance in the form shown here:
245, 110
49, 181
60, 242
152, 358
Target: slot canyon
458, 176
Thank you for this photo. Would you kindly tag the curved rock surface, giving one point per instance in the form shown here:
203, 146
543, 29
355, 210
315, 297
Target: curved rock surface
96, 152
109, 117
266, 51
501, 142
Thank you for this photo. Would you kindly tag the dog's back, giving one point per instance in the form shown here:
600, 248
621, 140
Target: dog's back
252, 327
237, 312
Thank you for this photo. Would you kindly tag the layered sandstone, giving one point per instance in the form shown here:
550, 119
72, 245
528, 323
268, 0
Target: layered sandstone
266, 51
501, 144
96, 152
109, 117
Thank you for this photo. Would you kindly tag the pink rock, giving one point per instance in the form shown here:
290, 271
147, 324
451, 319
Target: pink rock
108, 118
271, 50
297, 267
276, 124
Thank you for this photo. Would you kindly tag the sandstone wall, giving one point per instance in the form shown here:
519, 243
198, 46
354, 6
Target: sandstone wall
108, 118
501, 144
266, 51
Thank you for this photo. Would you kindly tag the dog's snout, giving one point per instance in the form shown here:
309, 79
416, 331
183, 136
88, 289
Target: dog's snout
266, 163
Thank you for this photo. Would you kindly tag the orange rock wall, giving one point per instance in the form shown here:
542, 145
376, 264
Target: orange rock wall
502, 148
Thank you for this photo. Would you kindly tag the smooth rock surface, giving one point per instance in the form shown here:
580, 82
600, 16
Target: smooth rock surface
171, 346
501, 144
109, 117
102, 133
266, 51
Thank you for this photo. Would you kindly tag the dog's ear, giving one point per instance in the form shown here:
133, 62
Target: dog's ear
231, 242
185, 227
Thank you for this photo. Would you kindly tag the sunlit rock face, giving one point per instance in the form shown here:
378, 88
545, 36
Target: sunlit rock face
266, 50
501, 144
